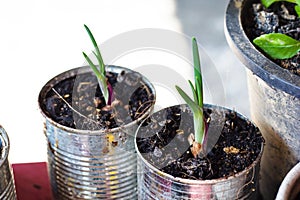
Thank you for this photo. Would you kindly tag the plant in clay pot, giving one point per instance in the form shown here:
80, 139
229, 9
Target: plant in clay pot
198, 151
7, 186
265, 35
91, 114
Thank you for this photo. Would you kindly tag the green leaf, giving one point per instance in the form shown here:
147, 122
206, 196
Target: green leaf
101, 79
277, 45
199, 90
199, 127
197, 69
196, 53
197, 73
268, 3
194, 91
194, 107
297, 9
199, 124
97, 54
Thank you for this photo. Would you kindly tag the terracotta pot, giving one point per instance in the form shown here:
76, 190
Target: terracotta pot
274, 99
99, 164
156, 184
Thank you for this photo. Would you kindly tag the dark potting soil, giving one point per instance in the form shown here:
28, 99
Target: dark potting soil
86, 109
162, 141
280, 17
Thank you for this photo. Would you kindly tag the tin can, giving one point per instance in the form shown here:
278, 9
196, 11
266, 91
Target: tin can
7, 186
156, 184
86, 164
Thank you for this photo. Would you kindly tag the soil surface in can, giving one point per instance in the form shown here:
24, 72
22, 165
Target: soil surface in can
163, 142
77, 102
280, 17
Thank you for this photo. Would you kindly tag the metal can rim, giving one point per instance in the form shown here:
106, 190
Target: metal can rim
202, 182
86, 69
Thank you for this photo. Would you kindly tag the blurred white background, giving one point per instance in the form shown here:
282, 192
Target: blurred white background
41, 38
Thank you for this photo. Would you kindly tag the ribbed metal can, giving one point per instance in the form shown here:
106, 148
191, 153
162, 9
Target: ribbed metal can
7, 186
154, 184
85, 164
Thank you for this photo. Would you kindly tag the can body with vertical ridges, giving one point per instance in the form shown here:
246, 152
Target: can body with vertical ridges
7, 186
85, 164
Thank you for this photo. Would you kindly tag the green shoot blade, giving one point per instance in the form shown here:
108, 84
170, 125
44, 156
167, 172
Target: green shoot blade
197, 73
199, 89
197, 105
97, 54
194, 107
197, 116
199, 127
197, 69
98, 60
194, 91
100, 77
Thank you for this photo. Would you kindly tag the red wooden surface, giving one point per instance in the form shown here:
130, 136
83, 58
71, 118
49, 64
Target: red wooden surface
32, 182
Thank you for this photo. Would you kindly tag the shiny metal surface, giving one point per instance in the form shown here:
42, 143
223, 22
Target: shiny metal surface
7, 187
86, 164
155, 184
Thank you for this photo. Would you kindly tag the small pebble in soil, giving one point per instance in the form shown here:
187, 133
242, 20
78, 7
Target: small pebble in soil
266, 22
157, 152
231, 149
